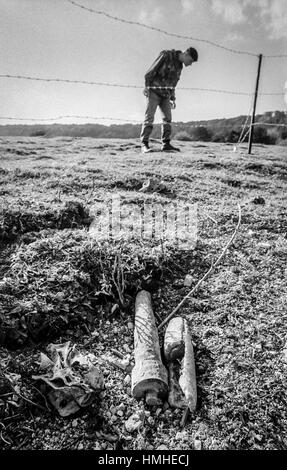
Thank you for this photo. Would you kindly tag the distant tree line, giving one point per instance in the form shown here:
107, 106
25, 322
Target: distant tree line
216, 130
229, 130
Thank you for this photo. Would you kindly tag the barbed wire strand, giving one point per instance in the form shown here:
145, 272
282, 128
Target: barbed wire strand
180, 36
85, 82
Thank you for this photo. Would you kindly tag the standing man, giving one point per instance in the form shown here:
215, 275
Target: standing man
160, 82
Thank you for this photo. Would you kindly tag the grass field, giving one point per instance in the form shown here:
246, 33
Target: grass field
57, 284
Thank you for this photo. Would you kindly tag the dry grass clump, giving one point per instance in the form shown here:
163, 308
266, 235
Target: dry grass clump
17, 221
67, 279
128, 183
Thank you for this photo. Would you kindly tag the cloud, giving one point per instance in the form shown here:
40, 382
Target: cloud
232, 11
187, 6
270, 14
234, 36
274, 17
150, 15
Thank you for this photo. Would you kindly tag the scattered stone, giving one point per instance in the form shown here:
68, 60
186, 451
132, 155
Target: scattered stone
80, 446
162, 447
130, 326
120, 413
134, 423
264, 245
158, 411
127, 379
181, 435
114, 309
165, 406
126, 348
197, 444
188, 280
74, 423
168, 413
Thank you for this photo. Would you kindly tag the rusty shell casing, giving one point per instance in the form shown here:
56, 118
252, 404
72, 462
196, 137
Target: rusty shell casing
174, 340
149, 376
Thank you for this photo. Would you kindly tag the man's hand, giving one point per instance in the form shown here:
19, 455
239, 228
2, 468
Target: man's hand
146, 92
172, 104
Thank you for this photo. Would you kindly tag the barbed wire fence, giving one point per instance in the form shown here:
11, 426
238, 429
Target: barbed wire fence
254, 95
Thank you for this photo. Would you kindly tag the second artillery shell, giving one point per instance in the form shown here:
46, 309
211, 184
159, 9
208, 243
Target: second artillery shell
149, 376
187, 379
174, 339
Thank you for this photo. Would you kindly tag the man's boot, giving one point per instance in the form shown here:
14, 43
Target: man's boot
167, 147
145, 147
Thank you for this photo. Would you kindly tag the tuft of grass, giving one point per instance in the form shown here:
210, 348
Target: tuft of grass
66, 279
14, 222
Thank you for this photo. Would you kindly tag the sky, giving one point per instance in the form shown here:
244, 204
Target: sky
56, 39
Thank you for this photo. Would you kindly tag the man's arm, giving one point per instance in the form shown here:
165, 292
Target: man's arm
153, 69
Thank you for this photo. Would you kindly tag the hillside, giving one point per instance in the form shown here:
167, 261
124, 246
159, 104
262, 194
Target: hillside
215, 130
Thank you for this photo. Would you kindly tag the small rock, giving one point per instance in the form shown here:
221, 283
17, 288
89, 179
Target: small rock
181, 435
187, 280
168, 413
158, 411
127, 379
74, 423
197, 444
120, 413
150, 421
134, 423
80, 446
264, 245
130, 326
114, 308
126, 348
114, 418
165, 406
162, 447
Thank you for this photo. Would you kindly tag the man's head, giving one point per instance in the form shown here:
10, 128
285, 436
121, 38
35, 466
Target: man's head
189, 56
